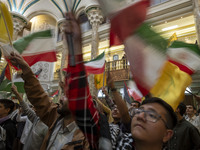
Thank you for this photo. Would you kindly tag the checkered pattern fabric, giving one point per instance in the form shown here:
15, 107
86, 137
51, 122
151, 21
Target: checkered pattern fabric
120, 140
125, 142
80, 101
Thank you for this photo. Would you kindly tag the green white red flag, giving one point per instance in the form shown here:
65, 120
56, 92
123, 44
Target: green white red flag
38, 46
97, 65
185, 56
147, 54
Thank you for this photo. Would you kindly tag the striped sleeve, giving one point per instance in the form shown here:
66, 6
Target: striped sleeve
80, 102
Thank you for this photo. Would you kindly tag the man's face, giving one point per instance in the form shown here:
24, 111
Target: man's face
3, 111
63, 107
134, 105
115, 112
189, 110
147, 131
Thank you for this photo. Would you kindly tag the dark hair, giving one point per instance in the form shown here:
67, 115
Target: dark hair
170, 116
182, 108
8, 104
137, 103
192, 106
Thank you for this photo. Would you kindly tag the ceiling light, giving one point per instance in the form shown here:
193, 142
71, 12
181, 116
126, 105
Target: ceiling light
170, 28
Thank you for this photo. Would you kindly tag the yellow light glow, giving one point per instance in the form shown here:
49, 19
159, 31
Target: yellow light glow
33, 19
170, 28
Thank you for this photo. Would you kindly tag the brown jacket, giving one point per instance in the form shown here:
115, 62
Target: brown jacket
47, 111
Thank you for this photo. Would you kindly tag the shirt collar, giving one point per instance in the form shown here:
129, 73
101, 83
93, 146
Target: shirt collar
69, 127
4, 119
193, 118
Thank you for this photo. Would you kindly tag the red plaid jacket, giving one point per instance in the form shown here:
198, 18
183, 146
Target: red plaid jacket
80, 101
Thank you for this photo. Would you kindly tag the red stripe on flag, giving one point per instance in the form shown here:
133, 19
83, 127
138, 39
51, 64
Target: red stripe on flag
8, 73
49, 56
114, 39
127, 89
142, 89
93, 70
129, 19
182, 67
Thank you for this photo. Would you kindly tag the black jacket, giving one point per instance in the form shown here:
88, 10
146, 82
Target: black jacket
11, 132
186, 137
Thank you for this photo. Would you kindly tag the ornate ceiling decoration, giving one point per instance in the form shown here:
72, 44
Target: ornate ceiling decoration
66, 5
20, 6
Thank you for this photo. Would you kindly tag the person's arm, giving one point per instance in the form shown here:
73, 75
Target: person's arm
109, 101
195, 137
25, 108
106, 110
121, 105
20, 118
45, 109
77, 90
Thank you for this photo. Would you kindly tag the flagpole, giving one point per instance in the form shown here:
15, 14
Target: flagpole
103, 82
70, 42
103, 77
190, 92
127, 91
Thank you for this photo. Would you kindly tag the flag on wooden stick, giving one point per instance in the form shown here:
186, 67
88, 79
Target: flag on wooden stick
39, 46
97, 65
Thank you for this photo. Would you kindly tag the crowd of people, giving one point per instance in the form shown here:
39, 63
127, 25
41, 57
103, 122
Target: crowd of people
81, 121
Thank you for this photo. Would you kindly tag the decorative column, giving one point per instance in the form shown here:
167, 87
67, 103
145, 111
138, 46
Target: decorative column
19, 22
64, 53
196, 4
96, 18
64, 49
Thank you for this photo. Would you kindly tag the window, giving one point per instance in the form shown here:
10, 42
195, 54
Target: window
115, 57
156, 2
85, 24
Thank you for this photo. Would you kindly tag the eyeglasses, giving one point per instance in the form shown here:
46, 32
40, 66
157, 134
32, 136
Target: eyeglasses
149, 115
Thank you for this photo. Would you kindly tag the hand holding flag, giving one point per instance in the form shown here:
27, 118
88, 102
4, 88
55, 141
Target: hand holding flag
18, 61
38, 46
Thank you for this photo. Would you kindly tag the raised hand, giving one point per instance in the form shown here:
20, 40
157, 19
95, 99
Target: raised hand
71, 26
18, 61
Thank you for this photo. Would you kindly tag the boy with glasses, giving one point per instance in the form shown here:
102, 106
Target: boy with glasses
152, 124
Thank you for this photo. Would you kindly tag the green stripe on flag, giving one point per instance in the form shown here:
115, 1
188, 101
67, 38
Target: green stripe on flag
97, 58
151, 37
6, 86
21, 44
193, 47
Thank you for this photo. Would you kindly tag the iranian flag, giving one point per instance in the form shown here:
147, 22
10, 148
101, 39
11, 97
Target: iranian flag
39, 46
185, 56
97, 65
146, 52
